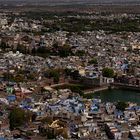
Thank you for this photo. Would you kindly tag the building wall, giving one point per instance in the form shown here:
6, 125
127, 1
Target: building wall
100, 81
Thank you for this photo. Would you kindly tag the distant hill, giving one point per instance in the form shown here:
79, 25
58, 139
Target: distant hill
111, 6
68, 2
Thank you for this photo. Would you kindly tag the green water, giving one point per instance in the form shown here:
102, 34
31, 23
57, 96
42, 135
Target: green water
115, 95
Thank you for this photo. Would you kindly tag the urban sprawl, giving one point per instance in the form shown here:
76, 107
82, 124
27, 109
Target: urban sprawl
50, 62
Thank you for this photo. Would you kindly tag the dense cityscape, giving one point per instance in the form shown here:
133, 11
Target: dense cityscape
53, 63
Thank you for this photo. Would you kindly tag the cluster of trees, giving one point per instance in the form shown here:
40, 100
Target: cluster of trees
56, 50
73, 74
53, 73
20, 76
4, 45
19, 117
121, 106
73, 24
77, 89
7, 76
62, 51
22, 49
80, 53
56, 73
108, 72
93, 61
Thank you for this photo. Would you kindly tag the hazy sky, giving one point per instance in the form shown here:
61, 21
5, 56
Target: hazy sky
77, 0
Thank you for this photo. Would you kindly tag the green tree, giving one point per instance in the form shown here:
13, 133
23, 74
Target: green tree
53, 73
19, 78
80, 53
68, 72
65, 50
93, 61
56, 78
34, 51
121, 106
55, 45
3, 45
41, 50
75, 75
16, 118
9, 76
108, 72
77, 89
32, 76
21, 48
